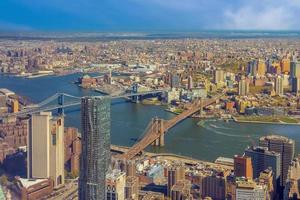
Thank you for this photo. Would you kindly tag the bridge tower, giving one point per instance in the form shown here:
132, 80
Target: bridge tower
60, 101
158, 128
136, 98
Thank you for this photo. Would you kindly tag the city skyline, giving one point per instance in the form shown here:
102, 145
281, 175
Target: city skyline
154, 15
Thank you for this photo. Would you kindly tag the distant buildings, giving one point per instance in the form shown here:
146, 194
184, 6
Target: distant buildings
45, 152
285, 147
278, 85
243, 87
95, 156
219, 76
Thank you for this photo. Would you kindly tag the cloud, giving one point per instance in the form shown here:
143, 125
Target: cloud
264, 15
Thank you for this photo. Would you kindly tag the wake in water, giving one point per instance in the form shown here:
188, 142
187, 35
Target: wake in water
222, 133
219, 127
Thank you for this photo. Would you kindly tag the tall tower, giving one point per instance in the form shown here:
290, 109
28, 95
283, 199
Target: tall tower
278, 85
261, 68
95, 156
46, 148
243, 87
243, 166
285, 147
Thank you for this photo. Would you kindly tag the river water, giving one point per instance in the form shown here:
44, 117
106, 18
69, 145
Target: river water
128, 120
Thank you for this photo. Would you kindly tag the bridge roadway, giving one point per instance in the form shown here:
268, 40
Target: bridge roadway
152, 134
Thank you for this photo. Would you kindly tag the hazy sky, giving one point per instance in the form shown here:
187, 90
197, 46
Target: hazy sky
147, 15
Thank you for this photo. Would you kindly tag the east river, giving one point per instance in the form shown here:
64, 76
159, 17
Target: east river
128, 120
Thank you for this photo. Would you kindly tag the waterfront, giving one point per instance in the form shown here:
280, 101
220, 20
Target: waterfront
206, 142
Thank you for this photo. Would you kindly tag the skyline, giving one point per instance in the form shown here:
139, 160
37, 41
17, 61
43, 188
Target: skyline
154, 15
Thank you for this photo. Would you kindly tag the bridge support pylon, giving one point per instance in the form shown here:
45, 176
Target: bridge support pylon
158, 125
60, 102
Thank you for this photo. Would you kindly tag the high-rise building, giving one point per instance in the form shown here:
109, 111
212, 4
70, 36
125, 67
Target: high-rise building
132, 187
46, 148
175, 81
285, 147
181, 190
115, 185
296, 85
190, 82
261, 68
262, 159
243, 166
295, 69
292, 187
278, 86
243, 87
95, 154
252, 68
175, 174
247, 189
218, 76
285, 65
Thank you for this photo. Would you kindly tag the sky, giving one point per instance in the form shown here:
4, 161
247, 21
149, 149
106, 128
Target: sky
149, 15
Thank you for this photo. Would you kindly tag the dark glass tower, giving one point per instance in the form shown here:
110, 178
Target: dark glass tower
95, 156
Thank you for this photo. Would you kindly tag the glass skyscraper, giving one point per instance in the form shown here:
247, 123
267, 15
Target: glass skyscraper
95, 156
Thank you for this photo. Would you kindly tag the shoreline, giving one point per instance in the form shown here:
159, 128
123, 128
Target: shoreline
262, 122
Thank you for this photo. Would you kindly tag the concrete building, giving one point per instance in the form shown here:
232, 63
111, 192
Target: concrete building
132, 188
247, 189
295, 69
292, 188
261, 68
296, 85
262, 159
285, 147
45, 150
175, 174
115, 185
95, 154
285, 65
243, 166
218, 76
278, 85
243, 87
181, 190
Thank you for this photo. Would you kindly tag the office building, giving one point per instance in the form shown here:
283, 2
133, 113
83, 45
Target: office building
296, 85
95, 142
190, 83
175, 81
247, 189
278, 85
45, 150
175, 174
218, 76
181, 190
292, 187
243, 87
252, 68
115, 185
261, 68
285, 65
243, 166
263, 159
132, 187
295, 69
285, 147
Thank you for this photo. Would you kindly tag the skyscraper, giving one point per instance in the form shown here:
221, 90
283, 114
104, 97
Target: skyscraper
285, 147
285, 65
115, 185
262, 159
218, 76
243, 166
295, 69
296, 85
243, 87
95, 156
261, 68
46, 148
174, 175
278, 86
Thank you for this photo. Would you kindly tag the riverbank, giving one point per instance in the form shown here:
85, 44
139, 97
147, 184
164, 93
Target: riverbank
280, 120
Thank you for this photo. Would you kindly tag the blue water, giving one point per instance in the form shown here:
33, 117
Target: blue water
128, 120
